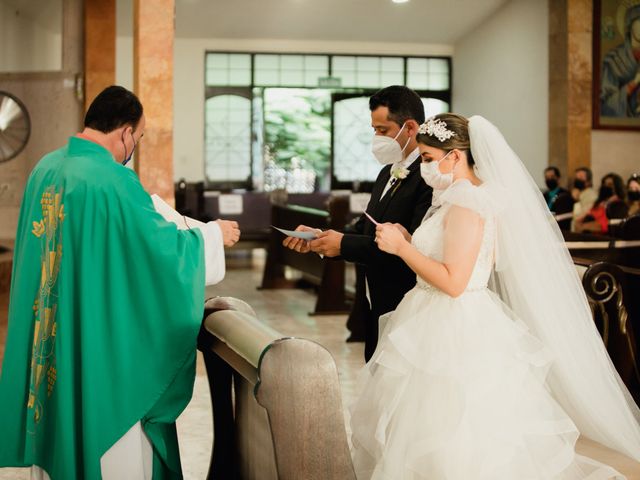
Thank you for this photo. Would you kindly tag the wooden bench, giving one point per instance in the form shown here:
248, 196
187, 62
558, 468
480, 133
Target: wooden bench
328, 274
277, 408
255, 219
6, 264
626, 228
624, 252
612, 291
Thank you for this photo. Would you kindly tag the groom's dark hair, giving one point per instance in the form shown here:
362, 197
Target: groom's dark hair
403, 104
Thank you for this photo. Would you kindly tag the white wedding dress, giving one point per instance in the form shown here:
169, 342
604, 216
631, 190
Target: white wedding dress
456, 388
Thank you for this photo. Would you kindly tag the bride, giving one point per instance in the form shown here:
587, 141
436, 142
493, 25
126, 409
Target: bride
491, 367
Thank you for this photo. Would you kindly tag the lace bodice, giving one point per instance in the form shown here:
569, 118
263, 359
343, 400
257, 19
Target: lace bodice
429, 237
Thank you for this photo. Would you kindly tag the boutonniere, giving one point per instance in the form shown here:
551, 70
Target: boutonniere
398, 173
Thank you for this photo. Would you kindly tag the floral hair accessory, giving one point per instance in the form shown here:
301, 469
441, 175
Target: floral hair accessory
436, 128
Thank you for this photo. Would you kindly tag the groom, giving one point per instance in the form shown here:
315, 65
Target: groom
399, 196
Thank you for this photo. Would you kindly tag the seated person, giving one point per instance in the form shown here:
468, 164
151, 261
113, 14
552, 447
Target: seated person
596, 220
563, 210
583, 193
555, 191
633, 194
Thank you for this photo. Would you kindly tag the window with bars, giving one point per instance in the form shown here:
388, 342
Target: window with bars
292, 111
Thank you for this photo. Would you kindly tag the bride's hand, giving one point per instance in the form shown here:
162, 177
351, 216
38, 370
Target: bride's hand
400, 227
403, 231
389, 238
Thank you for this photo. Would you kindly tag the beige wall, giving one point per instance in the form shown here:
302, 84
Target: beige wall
30, 36
500, 71
615, 151
55, 111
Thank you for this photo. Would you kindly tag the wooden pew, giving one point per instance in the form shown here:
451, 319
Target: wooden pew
253, 220
625, 252
328, 274
6, 264
190, 199
194, 201
629, 228
612, 291
277, 408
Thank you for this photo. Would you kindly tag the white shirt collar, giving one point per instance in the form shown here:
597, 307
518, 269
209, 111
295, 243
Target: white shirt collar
408, 161
412, 157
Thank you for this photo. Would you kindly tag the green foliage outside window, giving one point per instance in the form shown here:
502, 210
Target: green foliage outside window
297, 123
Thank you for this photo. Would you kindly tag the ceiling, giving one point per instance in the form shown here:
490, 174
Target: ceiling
418, 21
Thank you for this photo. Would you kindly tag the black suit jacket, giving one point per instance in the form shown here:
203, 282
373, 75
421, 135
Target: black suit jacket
389, 278
561, 202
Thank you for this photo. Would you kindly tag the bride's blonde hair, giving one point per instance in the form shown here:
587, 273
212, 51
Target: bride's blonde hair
456, 124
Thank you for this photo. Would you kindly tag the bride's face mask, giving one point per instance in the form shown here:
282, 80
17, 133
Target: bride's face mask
437, 175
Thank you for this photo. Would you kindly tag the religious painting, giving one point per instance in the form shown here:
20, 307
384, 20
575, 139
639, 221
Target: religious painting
616, 64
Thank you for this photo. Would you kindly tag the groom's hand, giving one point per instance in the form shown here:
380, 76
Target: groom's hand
298, 244
327, 243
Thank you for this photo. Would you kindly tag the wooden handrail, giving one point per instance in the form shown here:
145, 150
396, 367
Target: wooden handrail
277, 403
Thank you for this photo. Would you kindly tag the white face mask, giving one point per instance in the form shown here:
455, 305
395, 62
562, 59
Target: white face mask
433, 177
386, 149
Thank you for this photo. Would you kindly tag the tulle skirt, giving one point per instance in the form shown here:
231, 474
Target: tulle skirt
456, 390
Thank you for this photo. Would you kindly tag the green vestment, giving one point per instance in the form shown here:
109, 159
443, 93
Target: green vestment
105, 307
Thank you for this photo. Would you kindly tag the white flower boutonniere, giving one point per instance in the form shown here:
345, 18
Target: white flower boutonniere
399, 172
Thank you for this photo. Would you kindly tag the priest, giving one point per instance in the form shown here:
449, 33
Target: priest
105, 306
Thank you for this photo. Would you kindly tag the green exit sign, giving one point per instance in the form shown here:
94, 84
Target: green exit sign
329, 82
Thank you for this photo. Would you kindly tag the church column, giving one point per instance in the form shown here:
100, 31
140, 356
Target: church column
570, 83
153, 36
99, 47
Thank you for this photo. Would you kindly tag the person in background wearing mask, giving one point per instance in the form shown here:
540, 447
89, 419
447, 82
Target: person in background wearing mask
595, 220
399, 196
583, 193
633, 194
555, 191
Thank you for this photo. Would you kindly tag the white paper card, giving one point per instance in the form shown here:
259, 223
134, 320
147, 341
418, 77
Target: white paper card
293, 233
230, 204
358, 202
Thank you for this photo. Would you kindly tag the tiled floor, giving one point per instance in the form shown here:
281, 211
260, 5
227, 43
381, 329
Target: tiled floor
287, 312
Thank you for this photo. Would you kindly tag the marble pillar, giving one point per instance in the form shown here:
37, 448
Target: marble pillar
153, 37
99, 47
570, 84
